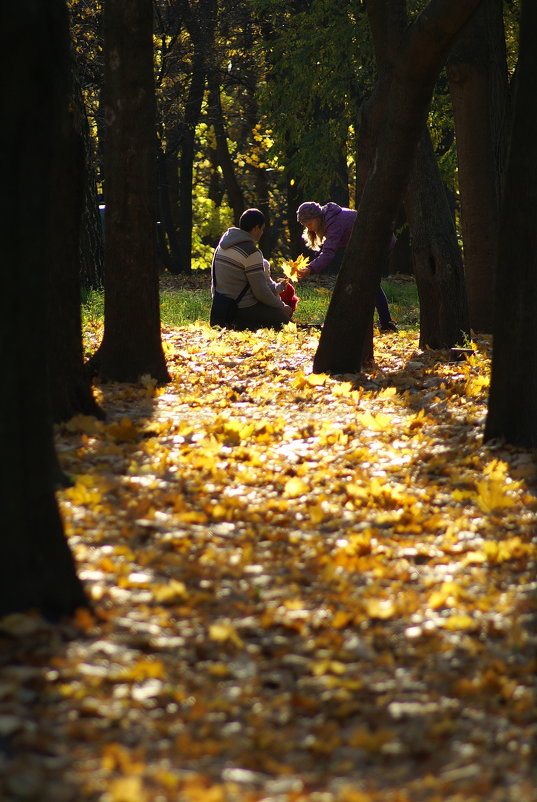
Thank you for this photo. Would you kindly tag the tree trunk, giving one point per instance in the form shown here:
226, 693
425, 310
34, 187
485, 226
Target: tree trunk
438, 266
437, 262
36, 566
201, 30
295, 197
131, 346
477, 72
234, 192
168, 177
348, 322
91, 234
513, 390
70, 388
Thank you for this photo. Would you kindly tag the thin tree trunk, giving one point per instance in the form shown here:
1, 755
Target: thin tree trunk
168, 169
513, 390
234, 192
201, 30
91, 234
350, 313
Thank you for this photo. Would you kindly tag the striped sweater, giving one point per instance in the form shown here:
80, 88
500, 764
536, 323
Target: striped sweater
237, 260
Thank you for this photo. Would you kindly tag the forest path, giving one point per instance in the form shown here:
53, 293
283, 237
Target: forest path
306, 589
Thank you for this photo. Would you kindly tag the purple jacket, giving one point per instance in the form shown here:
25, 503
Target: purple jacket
338, 223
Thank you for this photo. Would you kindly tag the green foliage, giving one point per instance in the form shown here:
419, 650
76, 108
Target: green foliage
316, 79
209, 222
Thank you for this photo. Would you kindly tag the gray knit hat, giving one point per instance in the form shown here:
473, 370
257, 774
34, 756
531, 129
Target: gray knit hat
307, 211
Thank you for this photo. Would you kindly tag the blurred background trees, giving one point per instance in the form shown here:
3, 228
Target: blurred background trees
261, 103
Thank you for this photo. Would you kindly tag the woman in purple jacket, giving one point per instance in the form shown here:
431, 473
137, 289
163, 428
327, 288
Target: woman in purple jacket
328, 229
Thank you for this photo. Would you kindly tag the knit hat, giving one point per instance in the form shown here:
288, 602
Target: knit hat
307, 211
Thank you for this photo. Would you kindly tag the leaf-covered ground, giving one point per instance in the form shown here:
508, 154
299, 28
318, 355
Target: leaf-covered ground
306, 589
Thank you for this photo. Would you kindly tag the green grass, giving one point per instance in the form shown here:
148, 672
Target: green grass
181, 307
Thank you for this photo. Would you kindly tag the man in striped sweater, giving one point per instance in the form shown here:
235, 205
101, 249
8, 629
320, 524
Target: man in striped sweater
238, 264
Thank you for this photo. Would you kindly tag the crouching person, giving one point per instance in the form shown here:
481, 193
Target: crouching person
243, 294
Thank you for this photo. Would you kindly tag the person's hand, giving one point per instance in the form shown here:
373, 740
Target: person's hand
287, 309
303, 272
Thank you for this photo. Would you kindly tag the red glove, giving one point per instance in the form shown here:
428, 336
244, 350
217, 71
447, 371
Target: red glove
288, 296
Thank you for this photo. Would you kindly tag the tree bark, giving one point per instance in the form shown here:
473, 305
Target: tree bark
69, 386
350, 313
36, 566
513, 389
201, 30
437, 260
168, 179
91, 233
477, 72
234, 192
131, 345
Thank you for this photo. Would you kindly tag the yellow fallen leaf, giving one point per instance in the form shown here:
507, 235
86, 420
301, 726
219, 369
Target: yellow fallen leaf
377, 423
458, 621
380, 608
173, 592
123, 431
221, 633
316, 379
492, 495
127, 789
295, 487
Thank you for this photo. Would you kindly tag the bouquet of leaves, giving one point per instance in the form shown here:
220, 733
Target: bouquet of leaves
292, 266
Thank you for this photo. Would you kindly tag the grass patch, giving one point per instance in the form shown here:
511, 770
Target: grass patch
185, 300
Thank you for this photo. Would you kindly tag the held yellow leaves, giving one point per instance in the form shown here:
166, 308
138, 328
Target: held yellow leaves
292, 266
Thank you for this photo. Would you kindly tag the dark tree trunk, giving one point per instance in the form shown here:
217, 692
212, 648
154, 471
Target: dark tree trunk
513, 391
438, 266
168, 179
437, 261
234, 192
201, 30
477, 72
91, 233
268, 241
36, 566
70, 388
131, 346
348, 323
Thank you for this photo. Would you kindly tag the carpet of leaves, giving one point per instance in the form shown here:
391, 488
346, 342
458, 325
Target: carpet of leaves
306, 588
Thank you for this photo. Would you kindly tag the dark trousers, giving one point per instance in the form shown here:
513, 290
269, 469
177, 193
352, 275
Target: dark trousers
260, 316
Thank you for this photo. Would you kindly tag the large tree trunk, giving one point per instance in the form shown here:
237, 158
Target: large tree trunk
350, 313
513, 391
437, 261
438, 266
36, 566
477, 72
131, 346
